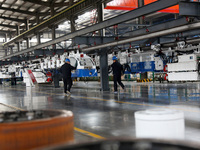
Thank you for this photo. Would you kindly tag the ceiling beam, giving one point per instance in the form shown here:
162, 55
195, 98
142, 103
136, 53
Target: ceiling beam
153, 7
6, 31
17, 20
146, 36
120, 42
62, 4
75, 9
48, 4
13, 26
13, 19
8, 26
23, 11
39, 2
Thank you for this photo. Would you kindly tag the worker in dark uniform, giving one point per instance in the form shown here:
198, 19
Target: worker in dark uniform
117, 69
66, 71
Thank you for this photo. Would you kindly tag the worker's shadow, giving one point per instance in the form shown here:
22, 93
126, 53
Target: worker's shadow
120, 97
67, 100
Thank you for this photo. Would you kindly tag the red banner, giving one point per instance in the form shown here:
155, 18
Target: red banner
133, 4
173, 9
122, 4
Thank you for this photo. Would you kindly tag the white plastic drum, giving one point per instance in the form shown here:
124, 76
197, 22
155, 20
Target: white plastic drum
160, 123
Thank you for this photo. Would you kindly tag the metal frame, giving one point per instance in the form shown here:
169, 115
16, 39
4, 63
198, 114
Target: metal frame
72, 10
153, 7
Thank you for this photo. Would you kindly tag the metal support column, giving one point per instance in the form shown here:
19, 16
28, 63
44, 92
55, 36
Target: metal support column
104, 70
27, 39
53, 28
18, 29
73, 28
18, 32
140, 19
38, 38
103, 53
6, 50
11, 50
72, 24
6, 37
38, 34
27, 43
56, 78
53, 33
100, 11
18, 46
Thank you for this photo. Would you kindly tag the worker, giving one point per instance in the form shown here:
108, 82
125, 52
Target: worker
66, 71
117, 69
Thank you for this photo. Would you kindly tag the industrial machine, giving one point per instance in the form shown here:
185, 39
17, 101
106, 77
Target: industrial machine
146, 62
4, 74
85, 65
44, 69
186, 69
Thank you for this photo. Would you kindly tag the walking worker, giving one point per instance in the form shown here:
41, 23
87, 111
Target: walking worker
117, 69
66, 71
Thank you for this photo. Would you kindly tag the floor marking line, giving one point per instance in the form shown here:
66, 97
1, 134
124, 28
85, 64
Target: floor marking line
89, 133
13, 107
75, 128
99, 99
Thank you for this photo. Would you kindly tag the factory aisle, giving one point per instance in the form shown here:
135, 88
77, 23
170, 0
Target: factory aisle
99, 115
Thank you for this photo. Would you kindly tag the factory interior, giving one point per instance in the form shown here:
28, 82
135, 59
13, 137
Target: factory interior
156, 44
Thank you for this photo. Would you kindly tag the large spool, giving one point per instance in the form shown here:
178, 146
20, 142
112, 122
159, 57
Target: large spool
33, 129
160, 123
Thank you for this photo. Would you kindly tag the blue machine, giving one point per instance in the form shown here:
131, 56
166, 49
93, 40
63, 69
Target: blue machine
148, 62
84, 73
142, 66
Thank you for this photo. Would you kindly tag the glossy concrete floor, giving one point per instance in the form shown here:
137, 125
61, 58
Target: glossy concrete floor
99, 115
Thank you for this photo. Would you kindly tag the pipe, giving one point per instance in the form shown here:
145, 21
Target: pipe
146, 36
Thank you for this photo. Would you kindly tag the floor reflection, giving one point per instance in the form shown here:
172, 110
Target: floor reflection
109, 114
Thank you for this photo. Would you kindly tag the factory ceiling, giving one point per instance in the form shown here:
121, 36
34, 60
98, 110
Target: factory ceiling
17, 12
22, 19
